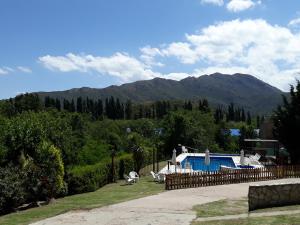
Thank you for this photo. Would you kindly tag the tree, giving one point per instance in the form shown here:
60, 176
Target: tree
249, 120
190, 128
219, 114
135, 145
79, 106
128, 110
203, 105
51, 169
287, 123
24, 134
27, 102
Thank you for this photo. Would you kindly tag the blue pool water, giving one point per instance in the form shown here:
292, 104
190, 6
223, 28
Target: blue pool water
197, 163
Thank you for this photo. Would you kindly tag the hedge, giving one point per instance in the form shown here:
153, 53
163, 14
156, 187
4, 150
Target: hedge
89, 178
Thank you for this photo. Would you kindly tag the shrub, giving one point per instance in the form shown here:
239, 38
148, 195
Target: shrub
12, 192
88, 178
91, 177
126, 164
51, 168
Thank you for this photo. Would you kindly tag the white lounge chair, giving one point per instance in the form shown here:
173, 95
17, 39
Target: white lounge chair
154, 175
161, 178
134, 175
158, 177
255, 157
128, 180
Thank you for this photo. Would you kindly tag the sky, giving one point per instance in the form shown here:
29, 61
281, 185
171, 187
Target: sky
49, 45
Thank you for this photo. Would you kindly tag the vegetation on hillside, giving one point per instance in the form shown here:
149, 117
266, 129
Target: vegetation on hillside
54, 148
287, 123
219, 89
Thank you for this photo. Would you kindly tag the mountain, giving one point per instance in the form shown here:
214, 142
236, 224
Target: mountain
219, 89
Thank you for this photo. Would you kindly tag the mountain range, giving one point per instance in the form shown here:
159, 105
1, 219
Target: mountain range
219, 89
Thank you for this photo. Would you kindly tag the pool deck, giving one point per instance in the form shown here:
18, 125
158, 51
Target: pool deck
235, 158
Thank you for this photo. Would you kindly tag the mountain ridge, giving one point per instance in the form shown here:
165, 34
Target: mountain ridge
219, 89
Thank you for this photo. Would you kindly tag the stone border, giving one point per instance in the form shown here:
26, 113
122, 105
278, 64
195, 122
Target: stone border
266, 196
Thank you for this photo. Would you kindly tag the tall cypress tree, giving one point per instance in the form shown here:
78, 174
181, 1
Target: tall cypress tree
57, 104
128, 110
79, 105
72, 106
249, 120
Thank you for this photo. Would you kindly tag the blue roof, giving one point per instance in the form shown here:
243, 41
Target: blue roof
235, 132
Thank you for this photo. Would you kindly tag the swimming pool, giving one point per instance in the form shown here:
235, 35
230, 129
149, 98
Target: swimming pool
197, 163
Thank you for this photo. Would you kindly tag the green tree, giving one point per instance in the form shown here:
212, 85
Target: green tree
128, 110
23, 136
135, 145
51, 169
190, 128
287, 123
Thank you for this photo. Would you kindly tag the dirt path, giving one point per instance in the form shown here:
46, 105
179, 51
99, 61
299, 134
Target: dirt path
171, 207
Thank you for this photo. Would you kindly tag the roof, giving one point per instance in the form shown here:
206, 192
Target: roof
235, 132
261, 140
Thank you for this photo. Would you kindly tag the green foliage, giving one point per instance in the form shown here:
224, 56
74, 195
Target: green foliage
12, 192
23, 136
287, 123
93, 152
194, 129
126, 164
51, 169
91, 177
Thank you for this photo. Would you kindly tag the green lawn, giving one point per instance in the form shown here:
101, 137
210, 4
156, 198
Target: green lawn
222, 208
109, 194
239, 206
268, 220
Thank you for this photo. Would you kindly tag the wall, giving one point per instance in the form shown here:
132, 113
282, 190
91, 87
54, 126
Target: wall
265, 196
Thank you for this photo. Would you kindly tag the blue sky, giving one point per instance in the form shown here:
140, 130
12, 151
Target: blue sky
56, 45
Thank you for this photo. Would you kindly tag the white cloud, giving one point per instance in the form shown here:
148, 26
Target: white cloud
120, 65
3, 71
294, 22
8, 69
24, 69
240, 5
148, 55
272, 53
213, 2
269, 52
183, 51
175, 76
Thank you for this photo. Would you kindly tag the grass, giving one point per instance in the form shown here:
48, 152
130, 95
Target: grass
239, 206
222, 208
147, 169
109, 194
268, 220
234, 207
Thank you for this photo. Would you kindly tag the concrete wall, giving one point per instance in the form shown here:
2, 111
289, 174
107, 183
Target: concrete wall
265, 196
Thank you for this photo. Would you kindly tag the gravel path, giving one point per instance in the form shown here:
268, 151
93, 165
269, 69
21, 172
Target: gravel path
170, 207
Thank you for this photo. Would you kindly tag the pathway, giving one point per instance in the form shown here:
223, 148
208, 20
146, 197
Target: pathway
170, 207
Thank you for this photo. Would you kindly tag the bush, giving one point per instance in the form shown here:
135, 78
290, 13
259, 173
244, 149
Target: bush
12, 192
51, 169
126, 164
91, 177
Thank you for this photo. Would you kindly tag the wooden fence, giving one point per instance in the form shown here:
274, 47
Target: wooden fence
229, 176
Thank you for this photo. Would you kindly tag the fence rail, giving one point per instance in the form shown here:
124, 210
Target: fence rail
229, 176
